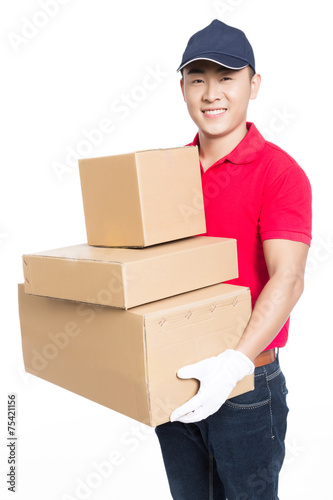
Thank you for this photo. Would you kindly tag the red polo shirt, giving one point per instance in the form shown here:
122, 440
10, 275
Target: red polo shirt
256, 192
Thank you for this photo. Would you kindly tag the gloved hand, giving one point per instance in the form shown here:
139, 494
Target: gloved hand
218, 376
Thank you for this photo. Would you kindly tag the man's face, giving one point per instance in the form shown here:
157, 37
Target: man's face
217, 97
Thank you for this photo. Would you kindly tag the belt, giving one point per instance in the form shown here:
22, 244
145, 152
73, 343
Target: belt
264, 358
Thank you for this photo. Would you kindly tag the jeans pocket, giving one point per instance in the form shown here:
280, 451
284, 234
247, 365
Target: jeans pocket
260, 396
284, 387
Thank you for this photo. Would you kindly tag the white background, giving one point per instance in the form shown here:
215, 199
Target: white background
61, 74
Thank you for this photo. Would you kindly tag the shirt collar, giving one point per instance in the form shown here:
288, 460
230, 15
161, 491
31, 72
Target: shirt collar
246, 151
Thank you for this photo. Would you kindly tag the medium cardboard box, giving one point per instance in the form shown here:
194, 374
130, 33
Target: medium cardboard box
128, 360
128, 277
143, 198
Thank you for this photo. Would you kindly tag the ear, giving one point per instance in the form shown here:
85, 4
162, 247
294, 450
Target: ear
182, 88
255, 85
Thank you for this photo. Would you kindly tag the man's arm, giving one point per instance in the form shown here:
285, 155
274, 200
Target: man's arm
218, 375
285, 262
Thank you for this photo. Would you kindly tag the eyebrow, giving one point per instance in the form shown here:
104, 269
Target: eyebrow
202, 71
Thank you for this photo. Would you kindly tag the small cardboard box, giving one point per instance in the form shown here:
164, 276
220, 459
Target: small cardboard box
128, 360
143, 198
127, 277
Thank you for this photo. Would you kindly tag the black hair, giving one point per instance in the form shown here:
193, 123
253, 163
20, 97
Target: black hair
251, 72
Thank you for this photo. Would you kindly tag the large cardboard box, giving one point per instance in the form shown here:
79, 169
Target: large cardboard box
128, 360
142, 198
127, 277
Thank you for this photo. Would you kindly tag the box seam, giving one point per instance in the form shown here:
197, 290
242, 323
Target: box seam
137, 166
125, 287
146, 367
85, 160
164, 149
38, 256
240, 294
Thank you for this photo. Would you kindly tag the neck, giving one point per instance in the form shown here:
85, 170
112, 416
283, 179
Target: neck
212, 149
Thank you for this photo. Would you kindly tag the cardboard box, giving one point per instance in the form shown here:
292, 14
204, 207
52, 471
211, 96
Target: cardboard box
128, 360
143, 198
127, 277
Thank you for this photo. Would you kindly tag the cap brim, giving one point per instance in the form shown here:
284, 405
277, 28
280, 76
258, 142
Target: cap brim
227, 62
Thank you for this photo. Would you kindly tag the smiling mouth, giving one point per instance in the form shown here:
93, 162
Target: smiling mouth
214, 112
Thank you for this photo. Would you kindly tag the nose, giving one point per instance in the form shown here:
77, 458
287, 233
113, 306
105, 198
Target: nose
213, 91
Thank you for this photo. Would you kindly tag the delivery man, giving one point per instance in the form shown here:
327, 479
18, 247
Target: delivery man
214, 447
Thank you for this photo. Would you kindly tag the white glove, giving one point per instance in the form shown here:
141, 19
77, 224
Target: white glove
218, 376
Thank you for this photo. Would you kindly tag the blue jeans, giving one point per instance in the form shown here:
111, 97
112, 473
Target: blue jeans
236, 453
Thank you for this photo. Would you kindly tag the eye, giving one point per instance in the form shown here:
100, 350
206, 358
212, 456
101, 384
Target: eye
225, 78
197, 81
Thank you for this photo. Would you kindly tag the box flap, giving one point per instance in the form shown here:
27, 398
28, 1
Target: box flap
181, 266
122, 277
93, 281
179, 336
158, 171
201, 296
109, 187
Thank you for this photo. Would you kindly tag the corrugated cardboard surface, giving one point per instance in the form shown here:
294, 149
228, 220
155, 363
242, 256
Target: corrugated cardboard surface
94, 351
127, 360
123, 277
143, 198
111, 200
196, 325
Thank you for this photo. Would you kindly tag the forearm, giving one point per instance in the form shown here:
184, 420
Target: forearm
270, 312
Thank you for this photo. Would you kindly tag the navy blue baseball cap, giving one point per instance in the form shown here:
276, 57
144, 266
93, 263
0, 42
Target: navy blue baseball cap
219, 43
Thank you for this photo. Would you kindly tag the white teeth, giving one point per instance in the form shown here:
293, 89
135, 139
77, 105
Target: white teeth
214, 111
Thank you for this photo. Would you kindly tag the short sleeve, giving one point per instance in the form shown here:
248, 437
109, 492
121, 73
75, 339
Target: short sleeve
286, 210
